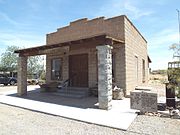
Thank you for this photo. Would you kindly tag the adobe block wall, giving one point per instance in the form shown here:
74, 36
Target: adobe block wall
92, 67
135, 45
118, 27
92, 64
120, 73
86, 28
58, 53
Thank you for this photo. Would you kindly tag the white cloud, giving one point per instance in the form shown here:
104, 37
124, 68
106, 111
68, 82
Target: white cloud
50, 5
164, 37
21, 40
134, 11
34, 5
8, 20
127, 7
5, 17
159, 47
159, 62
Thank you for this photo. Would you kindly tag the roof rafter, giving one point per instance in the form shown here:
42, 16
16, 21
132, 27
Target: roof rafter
104, 38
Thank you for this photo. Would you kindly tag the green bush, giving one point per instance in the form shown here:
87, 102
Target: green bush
174, 79
43, 75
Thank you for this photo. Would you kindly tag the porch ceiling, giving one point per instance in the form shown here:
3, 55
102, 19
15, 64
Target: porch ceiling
40, 50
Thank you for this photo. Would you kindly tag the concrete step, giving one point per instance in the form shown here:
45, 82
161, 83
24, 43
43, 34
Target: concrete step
143, 88
69, 95
73, 92
77, 88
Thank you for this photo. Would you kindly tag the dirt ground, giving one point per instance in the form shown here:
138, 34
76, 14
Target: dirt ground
157, 82
18, 121
6, 88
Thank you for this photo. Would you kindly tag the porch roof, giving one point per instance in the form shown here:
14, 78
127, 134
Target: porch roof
102, 39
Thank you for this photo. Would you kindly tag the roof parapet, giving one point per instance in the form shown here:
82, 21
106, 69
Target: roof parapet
79, 21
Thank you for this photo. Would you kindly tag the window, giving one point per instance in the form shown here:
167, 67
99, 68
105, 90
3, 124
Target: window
136, 69
56, 69
143, 70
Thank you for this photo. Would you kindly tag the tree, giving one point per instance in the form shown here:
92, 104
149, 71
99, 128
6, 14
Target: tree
35, 65
9, 59
176, 50
174, 72
9, 62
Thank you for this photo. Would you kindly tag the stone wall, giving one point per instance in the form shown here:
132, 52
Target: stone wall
104, 76
145, 101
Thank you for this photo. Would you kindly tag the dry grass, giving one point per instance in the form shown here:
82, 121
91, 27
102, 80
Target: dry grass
157, 82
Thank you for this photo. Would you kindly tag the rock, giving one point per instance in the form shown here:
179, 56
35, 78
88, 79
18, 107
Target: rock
161, 106
175, 112
143, 101
150, 114
118, 93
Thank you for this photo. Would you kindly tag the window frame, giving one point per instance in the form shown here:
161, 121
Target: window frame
59, 72
143, 70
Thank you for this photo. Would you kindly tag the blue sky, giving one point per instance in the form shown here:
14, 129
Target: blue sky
25, 23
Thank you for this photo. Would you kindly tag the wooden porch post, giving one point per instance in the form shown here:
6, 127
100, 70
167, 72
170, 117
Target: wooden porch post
22, 76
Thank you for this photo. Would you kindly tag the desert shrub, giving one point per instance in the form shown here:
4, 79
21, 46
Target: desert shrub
174, 79
43, 75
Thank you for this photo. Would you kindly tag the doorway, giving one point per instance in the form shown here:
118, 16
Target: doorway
78, 70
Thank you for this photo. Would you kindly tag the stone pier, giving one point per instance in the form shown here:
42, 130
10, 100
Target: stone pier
104, 76
22, 76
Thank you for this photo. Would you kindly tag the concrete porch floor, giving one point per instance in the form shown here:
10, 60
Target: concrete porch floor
84, 109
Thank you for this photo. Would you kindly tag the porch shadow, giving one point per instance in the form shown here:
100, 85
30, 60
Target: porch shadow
48, 97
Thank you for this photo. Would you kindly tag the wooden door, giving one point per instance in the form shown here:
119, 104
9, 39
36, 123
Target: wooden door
78, 70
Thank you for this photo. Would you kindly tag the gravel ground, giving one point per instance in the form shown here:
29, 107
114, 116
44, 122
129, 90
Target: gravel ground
17, 121
13, 121
7, 88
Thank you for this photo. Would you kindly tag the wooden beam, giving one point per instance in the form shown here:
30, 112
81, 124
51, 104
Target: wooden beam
96, 39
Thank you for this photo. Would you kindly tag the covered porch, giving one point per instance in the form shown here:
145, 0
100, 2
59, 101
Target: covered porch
75, 55
84, 109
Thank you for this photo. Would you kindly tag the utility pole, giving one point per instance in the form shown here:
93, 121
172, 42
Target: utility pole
178, 46
179, 24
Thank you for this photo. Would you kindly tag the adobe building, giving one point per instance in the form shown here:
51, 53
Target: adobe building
100, 51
